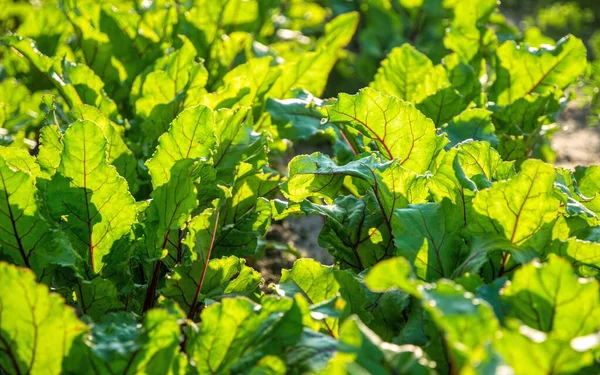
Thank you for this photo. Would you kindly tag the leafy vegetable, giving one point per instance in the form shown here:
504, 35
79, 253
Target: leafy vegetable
147, 147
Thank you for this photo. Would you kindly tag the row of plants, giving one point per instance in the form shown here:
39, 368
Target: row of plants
143, 163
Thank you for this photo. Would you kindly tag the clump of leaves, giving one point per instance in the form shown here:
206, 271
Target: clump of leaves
142, 163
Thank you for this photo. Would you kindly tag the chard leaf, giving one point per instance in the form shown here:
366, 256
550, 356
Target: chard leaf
245, 85
583, 255
354, 232
525, 70
300, 72
191, 136
392, 185
225, 277
443, 101
399, 130
236, 333
297, 118
22, 227
76, 83
51, 147
402, 72
38, 330
313, 282
88, 197
550, 298
171, 206
161, 94
468, 324
429, 236
117, 343
119, 154
238, 143
521, 209
97, 297
588, 182
473, 124
362, 350
558, 310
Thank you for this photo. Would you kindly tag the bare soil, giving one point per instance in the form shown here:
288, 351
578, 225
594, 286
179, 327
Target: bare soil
576, 143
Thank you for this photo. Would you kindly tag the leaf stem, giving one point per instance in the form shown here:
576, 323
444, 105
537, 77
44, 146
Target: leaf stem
192, 311
151, 291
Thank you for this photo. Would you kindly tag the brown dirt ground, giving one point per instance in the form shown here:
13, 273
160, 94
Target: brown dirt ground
576, 143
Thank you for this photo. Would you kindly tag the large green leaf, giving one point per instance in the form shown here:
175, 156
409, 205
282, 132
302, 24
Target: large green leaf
225, 277
399, 130
558, 309
236, 333
37, 330
354, 231
525, 70
117, 343
550, 298
191, 136
392, 185
119, 154
361, 350
22, 227
313, 282
76, 83
88, 197
429, 235
402, 72
300, 72
521, 209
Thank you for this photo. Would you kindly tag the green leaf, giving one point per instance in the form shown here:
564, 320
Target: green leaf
159, 95
354, 231
378, 278
442, 101
473, 124
402, 72
190, 136
238, 143
558, 309
587, 181
300, 72
51, 147
399, 130
236, 333
298, 118
583, 255
21, 224
524, 70
38, 330
521, 209
314, 282
384, 313
429, 236
468, 324
225, 277
88, 197
550, 298
245, 85
76, 83
171, 206
98, 297
117, 343
361, 350
119, 154
392, 185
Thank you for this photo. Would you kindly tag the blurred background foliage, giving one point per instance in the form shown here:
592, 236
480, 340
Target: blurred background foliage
554, 18
384, 24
